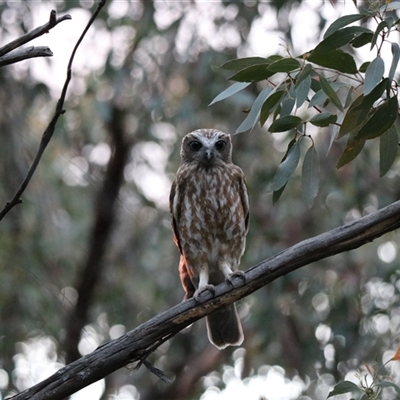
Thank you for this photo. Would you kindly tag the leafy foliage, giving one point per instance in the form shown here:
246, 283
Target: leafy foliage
369, 112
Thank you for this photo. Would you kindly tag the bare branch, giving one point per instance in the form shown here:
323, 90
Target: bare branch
136, 345
41, 30
24, 54
48, 133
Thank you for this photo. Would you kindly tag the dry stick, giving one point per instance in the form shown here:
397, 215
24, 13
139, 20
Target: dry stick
24, 54
136, 345
48, 133
41, 30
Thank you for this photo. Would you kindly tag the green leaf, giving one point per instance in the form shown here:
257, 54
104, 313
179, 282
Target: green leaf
344, 387
357, 113
388, 145
288, 103
343, 21
364, 66
277, 194
270, 103
255, 73
254, 113
302, 90
242, 63
362, 40
349, 97
236, 87
389, 384
323, 119
285, 123
304, 73
317, 99
395, 61
327, 88
352, 150
382, 25
373, 74
310, 176
381, 120
284, 65
339, 38
335, 59
287, 167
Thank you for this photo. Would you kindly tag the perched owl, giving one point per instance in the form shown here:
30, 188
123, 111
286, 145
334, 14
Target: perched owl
210, 212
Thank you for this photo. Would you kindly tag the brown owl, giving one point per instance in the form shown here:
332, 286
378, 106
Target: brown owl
210, 212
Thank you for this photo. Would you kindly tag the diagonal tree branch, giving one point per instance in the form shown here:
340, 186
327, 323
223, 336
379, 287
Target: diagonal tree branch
41, 30
136, 345
48, 133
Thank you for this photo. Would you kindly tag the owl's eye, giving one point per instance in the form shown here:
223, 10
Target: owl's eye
220, 145
195, 145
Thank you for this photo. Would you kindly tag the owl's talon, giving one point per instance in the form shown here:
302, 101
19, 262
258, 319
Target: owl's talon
236, 274
199, 292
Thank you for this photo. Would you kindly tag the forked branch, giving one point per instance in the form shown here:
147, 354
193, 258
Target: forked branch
48, 133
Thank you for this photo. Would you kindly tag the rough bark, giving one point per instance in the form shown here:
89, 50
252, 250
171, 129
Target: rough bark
136, 345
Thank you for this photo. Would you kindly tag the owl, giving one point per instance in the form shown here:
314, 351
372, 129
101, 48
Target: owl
210, 213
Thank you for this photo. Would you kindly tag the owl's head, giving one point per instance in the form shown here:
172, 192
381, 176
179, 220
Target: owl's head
207, 147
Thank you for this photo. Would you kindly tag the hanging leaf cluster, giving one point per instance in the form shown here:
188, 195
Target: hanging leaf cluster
326, 88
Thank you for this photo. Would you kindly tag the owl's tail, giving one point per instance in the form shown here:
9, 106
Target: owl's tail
224, 327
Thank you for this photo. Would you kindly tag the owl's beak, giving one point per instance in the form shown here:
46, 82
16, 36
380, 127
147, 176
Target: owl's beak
209, 154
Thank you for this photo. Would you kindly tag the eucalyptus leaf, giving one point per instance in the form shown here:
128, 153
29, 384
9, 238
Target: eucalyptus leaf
387, 384
395, 60
233, 89
242, 63
351, 151
323, 119
358, 112
341, 22
270, 103
388, 145
310, 176
344, 387
329, 91
285, 123
335, 59
373, 74
254, 113
381, 26
302, 91
380, 121
286, 168
362, 40
304, 73
254, 73
340, 38
284, 65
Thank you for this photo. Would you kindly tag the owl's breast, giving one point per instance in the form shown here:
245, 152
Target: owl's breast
211, 203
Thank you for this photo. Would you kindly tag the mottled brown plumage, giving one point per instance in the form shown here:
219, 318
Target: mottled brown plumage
210, 211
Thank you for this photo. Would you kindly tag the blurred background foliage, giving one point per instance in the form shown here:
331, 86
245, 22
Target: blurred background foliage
144, 78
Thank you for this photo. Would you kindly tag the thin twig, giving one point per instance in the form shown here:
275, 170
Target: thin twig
24, 54
48, 133
41, 30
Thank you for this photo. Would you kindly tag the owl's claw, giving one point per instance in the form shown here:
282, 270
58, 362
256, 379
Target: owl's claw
236, 274
200, 291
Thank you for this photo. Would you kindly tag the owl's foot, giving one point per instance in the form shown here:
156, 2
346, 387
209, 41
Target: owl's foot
200, 291
236, 274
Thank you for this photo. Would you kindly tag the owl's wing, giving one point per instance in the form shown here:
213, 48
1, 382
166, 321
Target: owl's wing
174, 208
244, 197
